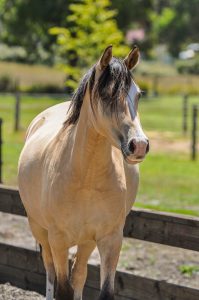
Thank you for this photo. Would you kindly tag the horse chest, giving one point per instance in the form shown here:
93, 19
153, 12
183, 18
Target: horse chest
89, 213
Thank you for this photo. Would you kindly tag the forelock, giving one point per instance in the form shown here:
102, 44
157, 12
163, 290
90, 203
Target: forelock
113, 85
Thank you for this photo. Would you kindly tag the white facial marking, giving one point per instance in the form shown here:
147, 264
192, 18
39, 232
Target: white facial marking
131, 97
133, 92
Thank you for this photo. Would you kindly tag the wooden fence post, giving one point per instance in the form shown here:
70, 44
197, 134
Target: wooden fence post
17, 110
155, 85
1, 142
194, 132
185, 114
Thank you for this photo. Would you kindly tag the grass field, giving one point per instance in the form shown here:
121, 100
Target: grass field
169, 180
167, 78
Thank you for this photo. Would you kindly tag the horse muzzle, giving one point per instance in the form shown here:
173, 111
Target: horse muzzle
136, 150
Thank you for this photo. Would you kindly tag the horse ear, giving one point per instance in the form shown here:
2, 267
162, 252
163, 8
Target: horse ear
132, 58
105, 58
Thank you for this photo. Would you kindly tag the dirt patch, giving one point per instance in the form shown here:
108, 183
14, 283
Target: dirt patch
167, 143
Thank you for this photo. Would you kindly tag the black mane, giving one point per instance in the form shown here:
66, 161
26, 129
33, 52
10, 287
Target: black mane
77, 99
112, 86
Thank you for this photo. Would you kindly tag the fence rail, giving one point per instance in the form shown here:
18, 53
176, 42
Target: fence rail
24, 268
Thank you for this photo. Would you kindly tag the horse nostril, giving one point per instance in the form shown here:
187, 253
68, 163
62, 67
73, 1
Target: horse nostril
132, 146
147, 147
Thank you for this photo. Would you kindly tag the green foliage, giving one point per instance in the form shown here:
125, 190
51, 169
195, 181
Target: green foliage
189, 270
2, 4
14, 53
176, 23
189, 66
25, 23
92, 27
43, 88
144, 86
134, 14
6, 83
163, 20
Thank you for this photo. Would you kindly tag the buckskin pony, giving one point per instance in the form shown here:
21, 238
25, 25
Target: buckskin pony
78, 174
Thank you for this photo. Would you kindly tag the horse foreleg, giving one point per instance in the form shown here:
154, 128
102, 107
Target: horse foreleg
50, 278
79, 268
50, 270
109, 249
41, 236
59, 251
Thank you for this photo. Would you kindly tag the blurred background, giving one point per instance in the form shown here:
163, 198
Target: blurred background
45, 48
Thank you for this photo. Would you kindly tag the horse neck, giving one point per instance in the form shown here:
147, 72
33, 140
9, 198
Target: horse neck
91, 156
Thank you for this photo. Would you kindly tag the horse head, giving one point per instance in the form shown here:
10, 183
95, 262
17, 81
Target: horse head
114, 98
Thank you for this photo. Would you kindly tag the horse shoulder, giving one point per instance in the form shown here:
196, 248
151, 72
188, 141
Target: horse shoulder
55, 114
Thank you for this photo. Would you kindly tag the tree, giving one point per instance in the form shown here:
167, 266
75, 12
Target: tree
135, 14
26, 23
91, 27
176, 24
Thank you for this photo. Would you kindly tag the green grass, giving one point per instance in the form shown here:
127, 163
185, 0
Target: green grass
169, 181
164, 114
13, 142
189, 270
